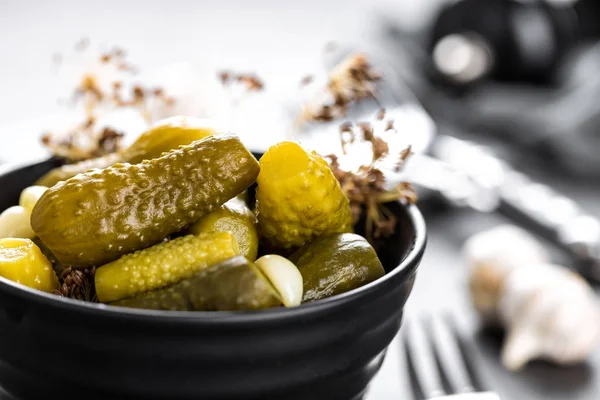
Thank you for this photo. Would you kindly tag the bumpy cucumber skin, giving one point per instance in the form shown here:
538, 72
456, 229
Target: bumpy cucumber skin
235, 217
151, 144
335, 264
295, 210
232, 285
67, 171
96, 217
162, 265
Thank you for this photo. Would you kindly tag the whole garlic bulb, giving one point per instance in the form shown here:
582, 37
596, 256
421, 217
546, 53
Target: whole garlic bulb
548, 311
491, 256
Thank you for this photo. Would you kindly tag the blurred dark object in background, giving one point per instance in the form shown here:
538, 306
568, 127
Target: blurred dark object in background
531, 87
508, 40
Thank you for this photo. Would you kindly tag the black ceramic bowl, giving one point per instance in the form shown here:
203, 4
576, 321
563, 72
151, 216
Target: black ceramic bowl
329, 349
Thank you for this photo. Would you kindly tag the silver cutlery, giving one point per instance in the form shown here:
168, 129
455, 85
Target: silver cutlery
440, 361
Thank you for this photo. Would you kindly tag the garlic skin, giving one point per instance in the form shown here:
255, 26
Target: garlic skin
491, 255
550, 313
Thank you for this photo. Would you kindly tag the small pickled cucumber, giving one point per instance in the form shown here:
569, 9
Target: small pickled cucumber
22, 261
235, 284
162, 265
235, 217
165, 135
14, 223
298, 197
96, 217
335, 264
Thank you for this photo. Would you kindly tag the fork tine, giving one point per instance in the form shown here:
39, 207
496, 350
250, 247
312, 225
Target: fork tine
468, 352
421, 360
449, 356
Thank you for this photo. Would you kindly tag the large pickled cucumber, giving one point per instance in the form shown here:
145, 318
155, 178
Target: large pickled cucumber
335, 264
162, 265
232, 285
96, 217
235, 217
166, 135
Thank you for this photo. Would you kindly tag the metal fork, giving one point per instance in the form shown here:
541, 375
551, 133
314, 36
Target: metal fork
440, 361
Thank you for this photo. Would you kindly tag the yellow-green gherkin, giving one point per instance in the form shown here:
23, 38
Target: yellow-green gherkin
162, 265
298, 197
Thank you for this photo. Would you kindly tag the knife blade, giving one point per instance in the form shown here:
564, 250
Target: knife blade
535, 205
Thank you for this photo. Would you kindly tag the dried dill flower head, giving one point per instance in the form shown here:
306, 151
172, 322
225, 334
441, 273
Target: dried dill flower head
351, 80
97, 85
78, 284
251, 82
365, 184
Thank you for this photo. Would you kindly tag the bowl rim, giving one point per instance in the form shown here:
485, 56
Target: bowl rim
408, 263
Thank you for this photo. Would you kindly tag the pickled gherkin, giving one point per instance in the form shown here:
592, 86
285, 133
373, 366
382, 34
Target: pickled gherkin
335, 264
235, 217
96, 217
165, 136
162, 265
298, 197
235, 284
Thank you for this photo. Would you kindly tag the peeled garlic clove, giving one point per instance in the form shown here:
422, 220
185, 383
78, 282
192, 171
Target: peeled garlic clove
14, 223
550, 313
284, 276
30, 195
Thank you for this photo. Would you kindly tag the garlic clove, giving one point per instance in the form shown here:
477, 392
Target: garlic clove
30, 195
504, 247
491, 257
520, 347
284, 276
550, 313
14, 223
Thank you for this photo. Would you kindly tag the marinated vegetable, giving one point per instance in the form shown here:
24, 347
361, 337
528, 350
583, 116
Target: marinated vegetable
235, 217
22, 261
335, 264
162, 265
14, 223
96, 217
298, 198
284, 276
30, 195
232, 285
165, 136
